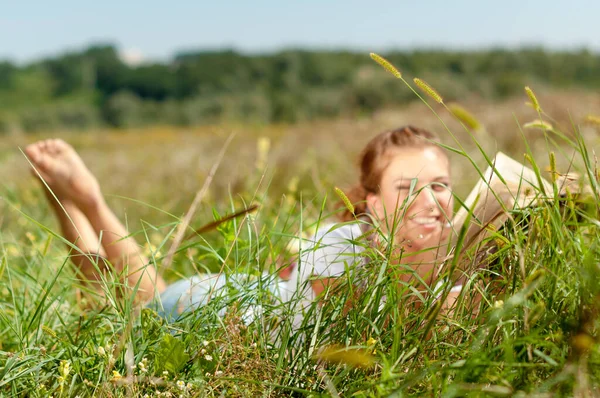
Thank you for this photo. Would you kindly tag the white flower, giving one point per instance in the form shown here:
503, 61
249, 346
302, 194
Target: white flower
205, 343
64, 369
208, 357
219, 373
181, 385
142, 365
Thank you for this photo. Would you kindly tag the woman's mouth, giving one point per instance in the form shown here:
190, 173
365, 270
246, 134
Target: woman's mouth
429, 223
426, 220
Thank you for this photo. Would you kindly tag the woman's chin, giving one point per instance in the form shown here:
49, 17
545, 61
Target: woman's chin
430, 235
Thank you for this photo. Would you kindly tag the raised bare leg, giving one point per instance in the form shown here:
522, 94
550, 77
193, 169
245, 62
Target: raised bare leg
73, 184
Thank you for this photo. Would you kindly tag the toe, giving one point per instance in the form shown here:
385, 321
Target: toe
32, 151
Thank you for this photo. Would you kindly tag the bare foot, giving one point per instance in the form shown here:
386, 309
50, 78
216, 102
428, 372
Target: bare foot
64, 172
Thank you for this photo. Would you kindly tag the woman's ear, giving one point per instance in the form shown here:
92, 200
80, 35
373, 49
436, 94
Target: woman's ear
374, 204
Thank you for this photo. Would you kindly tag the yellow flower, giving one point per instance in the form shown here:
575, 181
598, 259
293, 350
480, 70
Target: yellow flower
116, 375
263, 146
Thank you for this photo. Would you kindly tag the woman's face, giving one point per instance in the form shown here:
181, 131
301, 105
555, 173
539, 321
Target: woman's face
420, 217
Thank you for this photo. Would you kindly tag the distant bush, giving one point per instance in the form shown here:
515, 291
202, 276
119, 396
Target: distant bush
207, 87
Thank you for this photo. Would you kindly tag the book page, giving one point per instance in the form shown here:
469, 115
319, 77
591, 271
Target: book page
492, 197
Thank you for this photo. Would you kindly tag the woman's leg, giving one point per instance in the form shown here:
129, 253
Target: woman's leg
86, 220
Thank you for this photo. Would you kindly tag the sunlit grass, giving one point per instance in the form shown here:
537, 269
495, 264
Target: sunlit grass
526, 322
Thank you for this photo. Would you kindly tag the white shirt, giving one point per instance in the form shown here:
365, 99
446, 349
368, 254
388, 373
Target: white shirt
330, 253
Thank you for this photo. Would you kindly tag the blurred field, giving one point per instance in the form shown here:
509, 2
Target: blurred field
164, 167
537, 336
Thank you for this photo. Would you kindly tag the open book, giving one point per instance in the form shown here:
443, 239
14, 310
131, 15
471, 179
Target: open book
506, 185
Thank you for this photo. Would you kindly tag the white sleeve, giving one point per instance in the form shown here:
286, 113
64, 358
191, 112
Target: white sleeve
330, 252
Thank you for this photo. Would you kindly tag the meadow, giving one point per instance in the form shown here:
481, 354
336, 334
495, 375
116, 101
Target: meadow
536, 335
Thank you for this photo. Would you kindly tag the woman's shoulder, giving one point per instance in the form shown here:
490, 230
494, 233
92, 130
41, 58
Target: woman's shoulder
347, 231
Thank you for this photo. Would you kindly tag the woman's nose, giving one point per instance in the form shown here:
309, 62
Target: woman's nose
427, 199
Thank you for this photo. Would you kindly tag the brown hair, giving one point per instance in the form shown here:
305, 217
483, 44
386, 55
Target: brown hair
375, 158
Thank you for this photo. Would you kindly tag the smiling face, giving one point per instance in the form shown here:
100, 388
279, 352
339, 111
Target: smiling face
419, 216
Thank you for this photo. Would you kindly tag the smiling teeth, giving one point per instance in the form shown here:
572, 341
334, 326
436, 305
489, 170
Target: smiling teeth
425, 220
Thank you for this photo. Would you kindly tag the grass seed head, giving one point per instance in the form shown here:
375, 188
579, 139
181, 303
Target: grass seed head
427, 89
553, 166
592, 119
345, 199
533, 99
464, 116
387, 65
538, 124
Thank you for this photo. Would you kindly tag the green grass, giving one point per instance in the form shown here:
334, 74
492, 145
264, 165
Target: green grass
526, 323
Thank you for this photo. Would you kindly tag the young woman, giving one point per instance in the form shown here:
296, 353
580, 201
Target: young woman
403, 192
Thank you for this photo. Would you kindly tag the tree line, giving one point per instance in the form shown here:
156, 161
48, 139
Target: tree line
95, 87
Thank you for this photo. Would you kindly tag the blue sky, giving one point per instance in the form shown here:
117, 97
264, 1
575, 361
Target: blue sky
157, 30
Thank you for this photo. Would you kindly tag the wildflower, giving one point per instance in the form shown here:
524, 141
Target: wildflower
499, 304
208, 357
64, 369
30, 236
205, 343
181, 385
165, 373
101, 351
263, 145
142, 366
219, 373
292, 186
189, 386
116, 375
371, 341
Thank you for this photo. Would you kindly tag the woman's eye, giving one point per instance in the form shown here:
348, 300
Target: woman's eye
440, 187
403, 188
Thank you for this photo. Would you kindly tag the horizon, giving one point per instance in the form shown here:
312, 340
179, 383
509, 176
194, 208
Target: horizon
133, 57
